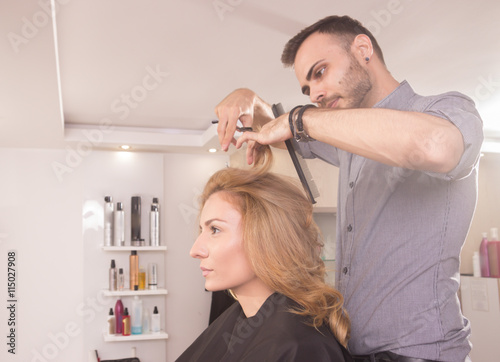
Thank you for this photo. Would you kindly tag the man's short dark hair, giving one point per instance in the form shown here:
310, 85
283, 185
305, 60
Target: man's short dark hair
344, 27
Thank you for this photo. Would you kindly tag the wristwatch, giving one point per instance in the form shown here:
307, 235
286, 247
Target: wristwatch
300, 134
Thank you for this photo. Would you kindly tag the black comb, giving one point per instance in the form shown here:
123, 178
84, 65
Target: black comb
299, 163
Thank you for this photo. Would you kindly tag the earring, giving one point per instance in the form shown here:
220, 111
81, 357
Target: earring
367, 59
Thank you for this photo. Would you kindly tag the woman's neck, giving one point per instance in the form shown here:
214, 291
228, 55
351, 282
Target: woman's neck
251, 300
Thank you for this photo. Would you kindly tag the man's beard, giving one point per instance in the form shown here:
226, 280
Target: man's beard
356, 84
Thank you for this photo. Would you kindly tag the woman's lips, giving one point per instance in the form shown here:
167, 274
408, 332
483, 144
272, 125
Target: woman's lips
205, 271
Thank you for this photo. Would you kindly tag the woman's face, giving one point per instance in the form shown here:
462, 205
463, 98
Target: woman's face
219, 247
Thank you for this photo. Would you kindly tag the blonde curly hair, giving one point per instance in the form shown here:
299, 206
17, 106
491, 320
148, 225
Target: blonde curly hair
281, 240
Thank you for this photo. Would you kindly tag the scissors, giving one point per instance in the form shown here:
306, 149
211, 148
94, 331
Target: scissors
240, 129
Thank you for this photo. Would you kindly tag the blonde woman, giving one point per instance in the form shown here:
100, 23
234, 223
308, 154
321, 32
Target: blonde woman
258, 239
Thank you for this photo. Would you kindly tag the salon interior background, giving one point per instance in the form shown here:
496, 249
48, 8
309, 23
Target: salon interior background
80, 78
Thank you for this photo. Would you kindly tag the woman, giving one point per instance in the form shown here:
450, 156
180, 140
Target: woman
258, 239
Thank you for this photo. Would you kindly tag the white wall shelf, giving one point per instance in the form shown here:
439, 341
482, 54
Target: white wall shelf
128, 292
135, 337
138, 248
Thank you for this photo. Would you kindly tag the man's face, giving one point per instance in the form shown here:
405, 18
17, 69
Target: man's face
329, 75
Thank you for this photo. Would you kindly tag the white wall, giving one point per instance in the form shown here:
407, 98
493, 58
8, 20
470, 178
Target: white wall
40, 218
60, 269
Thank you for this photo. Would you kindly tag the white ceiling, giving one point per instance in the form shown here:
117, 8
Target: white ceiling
149, 73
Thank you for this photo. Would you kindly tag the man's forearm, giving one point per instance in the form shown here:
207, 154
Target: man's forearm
397, 138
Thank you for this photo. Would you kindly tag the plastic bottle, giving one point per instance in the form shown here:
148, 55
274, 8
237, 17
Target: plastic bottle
142, 278
119, 316
126, 323
152, 276
483, 256
155, 321
146, 321
136, 315
494, 253
475, 264
134, 270
113, 279
119, 227
111, 322
108, 220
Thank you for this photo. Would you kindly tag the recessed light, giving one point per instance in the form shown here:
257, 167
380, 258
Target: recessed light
212, 150
125, 147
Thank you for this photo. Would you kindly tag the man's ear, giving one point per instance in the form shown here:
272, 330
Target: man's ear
362, 47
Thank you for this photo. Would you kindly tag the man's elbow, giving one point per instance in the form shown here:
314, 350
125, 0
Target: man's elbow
445, 158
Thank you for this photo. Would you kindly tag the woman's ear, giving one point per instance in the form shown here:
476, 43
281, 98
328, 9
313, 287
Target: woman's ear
362, 47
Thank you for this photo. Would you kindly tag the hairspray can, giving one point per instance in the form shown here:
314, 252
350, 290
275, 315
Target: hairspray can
154, 226
108, 221
135, 221
119, 227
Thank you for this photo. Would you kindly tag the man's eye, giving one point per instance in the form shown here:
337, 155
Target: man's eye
319, 73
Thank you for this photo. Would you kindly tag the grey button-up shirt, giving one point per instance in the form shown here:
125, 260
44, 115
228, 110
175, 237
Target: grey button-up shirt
399, 236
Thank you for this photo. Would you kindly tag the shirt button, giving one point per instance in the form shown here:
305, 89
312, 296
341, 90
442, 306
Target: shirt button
351, 184
345, 270
349, 228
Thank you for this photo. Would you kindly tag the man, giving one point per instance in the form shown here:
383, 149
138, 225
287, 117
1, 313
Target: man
407, 187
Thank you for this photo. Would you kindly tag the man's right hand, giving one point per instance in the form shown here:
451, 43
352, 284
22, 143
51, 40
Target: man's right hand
244, 105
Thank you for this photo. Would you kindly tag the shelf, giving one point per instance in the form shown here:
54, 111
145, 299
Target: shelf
135, 337
128, 292
138, 248
324, 210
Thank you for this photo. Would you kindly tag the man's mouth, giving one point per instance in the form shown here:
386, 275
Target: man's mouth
333, 104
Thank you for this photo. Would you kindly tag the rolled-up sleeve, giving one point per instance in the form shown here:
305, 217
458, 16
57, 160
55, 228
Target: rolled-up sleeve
461, 111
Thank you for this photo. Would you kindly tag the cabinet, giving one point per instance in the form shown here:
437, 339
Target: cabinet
480, 300
127, 294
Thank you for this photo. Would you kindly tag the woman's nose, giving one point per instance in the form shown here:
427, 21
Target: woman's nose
199, 250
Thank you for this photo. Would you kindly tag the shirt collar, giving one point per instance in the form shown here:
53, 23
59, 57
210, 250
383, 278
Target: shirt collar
398, 97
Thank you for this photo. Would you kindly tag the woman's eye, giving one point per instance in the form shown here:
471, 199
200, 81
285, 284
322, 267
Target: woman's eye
214, 229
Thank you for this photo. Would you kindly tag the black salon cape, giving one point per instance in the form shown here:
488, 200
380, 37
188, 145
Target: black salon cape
273, 334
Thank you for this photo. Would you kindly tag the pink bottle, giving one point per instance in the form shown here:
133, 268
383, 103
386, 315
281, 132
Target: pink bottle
119, 316
494, 253
483, 256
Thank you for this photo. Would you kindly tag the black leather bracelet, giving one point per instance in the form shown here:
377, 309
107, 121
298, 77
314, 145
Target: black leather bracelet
290, 119
300, 134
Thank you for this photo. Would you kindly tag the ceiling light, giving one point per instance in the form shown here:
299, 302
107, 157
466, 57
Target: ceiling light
212, 150
125, 147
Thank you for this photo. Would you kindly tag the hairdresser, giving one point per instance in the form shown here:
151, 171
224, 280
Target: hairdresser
407, 187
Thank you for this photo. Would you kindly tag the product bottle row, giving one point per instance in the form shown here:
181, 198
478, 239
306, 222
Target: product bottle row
114, 223
141, 281
133, 324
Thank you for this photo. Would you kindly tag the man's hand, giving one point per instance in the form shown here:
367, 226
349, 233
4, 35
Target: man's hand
272, 133
238, 105
243, 105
